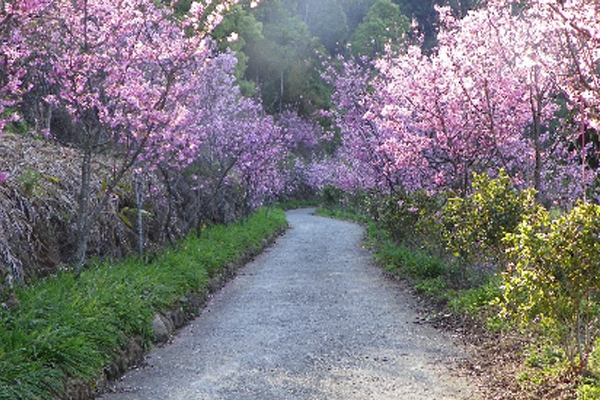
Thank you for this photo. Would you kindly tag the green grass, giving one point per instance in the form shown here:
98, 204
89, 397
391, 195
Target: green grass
67, 328
347, 214
476, 300
295, 204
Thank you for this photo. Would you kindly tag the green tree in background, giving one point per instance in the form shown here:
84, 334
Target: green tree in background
238, 31
426, 17
383, 26
280, 44
355, 11
285, 62
326, 19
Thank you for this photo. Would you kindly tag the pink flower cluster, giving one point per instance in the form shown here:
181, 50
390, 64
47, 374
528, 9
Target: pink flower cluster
153, 85
486, 99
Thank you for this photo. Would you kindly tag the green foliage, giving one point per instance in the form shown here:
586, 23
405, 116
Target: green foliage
286, 62
71, 328
295, 204
411, 263
588, 391
19, 127
32, 183
331, 197
475, 225
29, 181
475, 300
383, 27
412, 219
554, 277
326, 20
239, 29
344, 214
435, 287
543, 362
543, 357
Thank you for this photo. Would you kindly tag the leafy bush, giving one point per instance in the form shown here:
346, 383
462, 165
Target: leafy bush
588, 392
554, 277
436, 287
475, 225
412, 218
404, 261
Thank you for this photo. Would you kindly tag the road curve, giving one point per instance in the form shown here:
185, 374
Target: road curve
309, 319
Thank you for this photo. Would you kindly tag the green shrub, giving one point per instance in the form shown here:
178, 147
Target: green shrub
29, 181
475, 225
554, 278
412, 219
436, 287
588, 392
474, 300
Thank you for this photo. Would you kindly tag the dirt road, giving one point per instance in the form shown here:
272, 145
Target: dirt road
309, 319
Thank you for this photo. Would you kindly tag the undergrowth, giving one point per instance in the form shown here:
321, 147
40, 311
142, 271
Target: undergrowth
477, 293
66, 328
345, 214
295, 204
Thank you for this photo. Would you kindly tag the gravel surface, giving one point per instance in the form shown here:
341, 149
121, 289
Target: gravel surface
311, 318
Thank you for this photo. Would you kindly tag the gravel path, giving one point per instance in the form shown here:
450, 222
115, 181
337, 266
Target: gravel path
309, 319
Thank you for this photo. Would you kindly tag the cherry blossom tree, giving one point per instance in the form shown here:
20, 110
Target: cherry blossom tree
570, 54
372, 154
128, 74
15, 19
242, 160
487, 99
466, 99
548, 48
305, 138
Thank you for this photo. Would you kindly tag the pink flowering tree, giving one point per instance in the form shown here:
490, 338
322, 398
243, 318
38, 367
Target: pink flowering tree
464, 100
241, 159
127, 74
304, 138
15, 20
372, 156
570, 51
576, 24
487, 100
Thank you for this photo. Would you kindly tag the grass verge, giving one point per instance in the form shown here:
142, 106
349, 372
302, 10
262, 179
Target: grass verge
66, 329
295, 204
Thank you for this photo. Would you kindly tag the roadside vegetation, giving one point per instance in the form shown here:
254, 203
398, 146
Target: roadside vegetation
67, 330
504, 272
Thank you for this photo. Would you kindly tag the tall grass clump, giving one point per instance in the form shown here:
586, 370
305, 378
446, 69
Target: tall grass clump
66, 329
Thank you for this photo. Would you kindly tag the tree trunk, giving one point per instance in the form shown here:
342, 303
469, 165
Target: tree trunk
281, 92
139, 202
83, 212
536, 107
